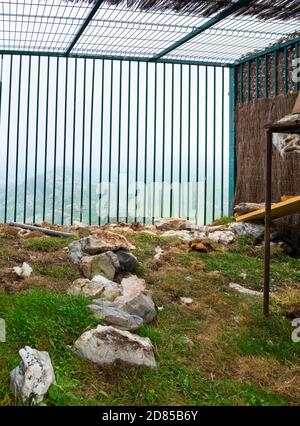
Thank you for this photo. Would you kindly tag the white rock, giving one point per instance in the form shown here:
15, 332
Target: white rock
186, 300
85, 287
132, 286
222, 237
183, 235
158, 253
107, 345
256, 230
24, 271
244, 290
31, 380
111, 289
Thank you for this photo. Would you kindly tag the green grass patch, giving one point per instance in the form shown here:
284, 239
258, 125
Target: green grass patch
63, 271
47, 244
223, 220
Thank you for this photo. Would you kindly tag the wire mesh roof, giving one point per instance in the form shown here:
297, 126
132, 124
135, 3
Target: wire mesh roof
102, 29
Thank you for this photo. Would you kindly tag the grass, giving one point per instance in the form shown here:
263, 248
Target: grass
47, 244
237, 357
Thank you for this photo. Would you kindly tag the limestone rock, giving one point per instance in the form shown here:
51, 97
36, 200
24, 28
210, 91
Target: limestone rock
132, 286
111, 289
111, 315
244, 290
128, 262
31, 380
102, 264
256, 230
85, 287
222, 237
75, 254
186, 300
174, 224
106, 345
104, 241
141, 305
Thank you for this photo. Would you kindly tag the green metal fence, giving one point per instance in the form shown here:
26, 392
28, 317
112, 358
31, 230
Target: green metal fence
96, 140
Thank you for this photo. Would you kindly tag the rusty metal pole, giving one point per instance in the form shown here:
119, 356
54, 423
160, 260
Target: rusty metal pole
268, 223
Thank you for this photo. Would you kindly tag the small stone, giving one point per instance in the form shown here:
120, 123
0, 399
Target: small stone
31, 380
101, 264
185, 341
128, 262
244, 290
85, 287
158, 253
186, 300
24, 271
106, 345
112, 316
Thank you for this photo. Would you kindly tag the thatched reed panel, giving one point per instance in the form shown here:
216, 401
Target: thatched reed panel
250, 120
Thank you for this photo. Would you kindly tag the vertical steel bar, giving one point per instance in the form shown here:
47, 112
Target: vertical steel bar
268, 223
101, 145
91, 144
8, 140
198, 147
36, 138
172, 144
137, 140
110, 138
55, 142
128, 142
163, 144
180, 142
205, 147
189, 146
222, 145
17, 142
154, 143
64, 144
46, 141
214, 148
74, 141
27, 142
231, 186
119, 140
146, 142
83, 141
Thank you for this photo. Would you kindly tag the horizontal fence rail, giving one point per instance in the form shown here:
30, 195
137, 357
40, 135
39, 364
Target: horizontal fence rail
98, 141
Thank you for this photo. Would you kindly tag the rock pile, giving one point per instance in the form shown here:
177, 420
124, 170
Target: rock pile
103, 253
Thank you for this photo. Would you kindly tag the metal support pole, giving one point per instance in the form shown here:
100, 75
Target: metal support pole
268, 223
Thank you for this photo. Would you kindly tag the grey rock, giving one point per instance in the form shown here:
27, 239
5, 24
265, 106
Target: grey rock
256, 230
116, 317
132, 286
75, 253
101, 264
141, 305
104, 241
85, 287
174, 224
110, 289
106, 345
31, 380
128, 262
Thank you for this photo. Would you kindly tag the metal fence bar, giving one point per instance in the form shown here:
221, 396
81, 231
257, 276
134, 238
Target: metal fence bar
83, 137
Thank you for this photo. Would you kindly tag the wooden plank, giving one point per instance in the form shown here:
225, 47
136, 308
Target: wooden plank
284, 208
